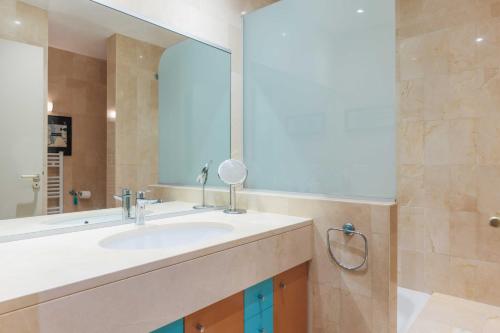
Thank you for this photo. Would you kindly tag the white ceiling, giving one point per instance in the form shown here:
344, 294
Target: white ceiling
82, 26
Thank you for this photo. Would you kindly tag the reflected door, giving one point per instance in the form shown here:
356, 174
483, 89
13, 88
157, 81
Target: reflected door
21, 129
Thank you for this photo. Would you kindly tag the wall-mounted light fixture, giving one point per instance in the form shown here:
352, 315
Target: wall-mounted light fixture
111, 114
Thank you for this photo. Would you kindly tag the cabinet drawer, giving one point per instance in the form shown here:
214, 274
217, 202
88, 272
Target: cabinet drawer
258, 298
261, 323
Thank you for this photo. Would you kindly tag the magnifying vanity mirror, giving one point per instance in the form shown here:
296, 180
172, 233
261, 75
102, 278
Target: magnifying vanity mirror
96, 106
233, 173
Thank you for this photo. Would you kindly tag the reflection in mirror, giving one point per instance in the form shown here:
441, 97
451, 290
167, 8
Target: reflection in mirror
94, 102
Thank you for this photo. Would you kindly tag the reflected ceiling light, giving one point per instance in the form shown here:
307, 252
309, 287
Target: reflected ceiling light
50, 107
360, 11
284, 34
479, 39
243, 12
111, 114
17, 22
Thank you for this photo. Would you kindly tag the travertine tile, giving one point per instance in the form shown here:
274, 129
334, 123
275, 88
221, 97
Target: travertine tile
437, 272
77, 90
450, 83
451, 314
411, 270
134, 145
411, 231
463, 188
464, 234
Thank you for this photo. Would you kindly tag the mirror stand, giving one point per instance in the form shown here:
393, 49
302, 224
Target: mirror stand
232, 202
203, 202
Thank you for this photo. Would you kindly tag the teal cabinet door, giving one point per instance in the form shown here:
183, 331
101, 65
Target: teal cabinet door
261, 323
258, 298
175, 327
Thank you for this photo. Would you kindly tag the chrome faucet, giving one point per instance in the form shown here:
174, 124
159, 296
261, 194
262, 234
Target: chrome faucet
140, 206
125, 197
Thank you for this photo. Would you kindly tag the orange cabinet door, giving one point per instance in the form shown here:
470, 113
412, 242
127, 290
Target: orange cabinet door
290, 300
225, 316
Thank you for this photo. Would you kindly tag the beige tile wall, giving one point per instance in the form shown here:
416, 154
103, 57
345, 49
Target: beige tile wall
34, 29
77, 89
134, 97
449, 146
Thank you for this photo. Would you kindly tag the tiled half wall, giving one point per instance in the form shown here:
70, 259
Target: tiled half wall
340, 301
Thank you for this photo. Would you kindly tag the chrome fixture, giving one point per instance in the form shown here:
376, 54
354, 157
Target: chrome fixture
494, 221
233, 173
125, 197
202, 179
140, 206
349, 230
35, 180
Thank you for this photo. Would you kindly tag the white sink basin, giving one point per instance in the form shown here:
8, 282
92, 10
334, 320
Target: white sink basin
171, 236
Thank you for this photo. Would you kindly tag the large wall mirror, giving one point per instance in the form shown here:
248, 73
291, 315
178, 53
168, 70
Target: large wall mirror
93, 101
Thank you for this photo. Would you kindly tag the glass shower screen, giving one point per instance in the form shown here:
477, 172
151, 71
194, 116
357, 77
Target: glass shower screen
319, 97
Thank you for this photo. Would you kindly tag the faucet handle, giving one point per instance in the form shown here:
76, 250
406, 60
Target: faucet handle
124, 193
141, 195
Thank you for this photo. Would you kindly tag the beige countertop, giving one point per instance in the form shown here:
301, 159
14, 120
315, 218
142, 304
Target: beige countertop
41, 269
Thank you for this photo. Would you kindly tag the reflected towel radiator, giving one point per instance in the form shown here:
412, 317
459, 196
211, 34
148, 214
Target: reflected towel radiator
55, 183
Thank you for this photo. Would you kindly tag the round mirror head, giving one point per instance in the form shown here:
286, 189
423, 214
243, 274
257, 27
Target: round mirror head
233, 172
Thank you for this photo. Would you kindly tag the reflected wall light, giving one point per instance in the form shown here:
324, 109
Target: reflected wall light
111, 114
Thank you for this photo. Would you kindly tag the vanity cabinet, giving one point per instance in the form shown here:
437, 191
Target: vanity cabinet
224, 316
290, 300
276, 305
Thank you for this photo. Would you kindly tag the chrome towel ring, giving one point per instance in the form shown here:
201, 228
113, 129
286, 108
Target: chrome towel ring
349, 230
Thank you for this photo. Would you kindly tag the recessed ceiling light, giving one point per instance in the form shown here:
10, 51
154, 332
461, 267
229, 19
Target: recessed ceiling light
17, 22
479, 39
360, 11
243, 12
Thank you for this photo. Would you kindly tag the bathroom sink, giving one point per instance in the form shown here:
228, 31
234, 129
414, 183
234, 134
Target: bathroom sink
169, 236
